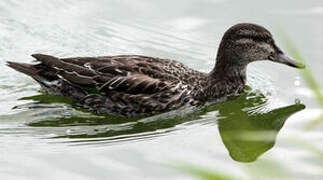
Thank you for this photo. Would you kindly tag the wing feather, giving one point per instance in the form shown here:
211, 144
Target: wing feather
128, 74
58, 64
135, 84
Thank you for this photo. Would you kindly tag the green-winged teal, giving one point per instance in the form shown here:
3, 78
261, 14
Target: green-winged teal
131, 85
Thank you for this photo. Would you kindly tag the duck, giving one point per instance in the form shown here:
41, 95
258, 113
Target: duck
137, 85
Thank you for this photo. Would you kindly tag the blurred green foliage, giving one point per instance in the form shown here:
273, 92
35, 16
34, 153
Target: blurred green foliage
307, 74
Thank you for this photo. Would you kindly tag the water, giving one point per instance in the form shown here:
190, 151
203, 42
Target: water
44, 136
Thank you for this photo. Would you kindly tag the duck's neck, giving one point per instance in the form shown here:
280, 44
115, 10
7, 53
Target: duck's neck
233, 76
227, 78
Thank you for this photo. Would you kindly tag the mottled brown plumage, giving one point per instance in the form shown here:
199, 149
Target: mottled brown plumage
131, 85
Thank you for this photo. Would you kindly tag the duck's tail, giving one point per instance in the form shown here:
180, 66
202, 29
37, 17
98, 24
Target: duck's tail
32, 71
49, 82
25, 68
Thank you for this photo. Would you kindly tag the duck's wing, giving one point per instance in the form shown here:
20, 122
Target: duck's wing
111, 73
163, 69
132, 84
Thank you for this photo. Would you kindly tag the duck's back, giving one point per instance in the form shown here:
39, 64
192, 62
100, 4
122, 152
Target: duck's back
122, 85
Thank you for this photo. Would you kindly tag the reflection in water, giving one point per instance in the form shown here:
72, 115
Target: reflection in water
247, 128
246, 131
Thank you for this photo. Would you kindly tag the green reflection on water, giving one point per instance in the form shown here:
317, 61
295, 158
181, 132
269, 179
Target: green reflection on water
246, 125
246, 132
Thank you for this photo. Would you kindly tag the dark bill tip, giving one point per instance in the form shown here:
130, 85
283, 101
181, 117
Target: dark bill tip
282, 58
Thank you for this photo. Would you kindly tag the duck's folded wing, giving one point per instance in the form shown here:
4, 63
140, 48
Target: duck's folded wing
110, 76
134, 84
58, 64
54, 68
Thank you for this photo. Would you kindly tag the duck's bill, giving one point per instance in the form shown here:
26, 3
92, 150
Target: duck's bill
282, 58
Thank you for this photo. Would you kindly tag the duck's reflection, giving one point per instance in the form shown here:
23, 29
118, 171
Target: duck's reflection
247, 126
246, 130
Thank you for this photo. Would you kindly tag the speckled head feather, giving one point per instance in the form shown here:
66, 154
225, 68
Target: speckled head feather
244, 43
247, 30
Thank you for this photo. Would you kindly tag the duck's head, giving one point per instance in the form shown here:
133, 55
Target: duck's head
244, 43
